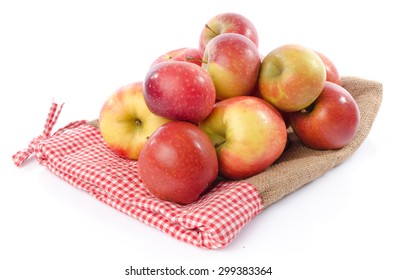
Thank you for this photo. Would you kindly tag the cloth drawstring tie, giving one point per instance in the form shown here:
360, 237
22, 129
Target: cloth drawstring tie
52, 118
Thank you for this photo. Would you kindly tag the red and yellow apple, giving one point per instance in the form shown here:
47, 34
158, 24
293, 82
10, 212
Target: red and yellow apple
248, 133
332, 73
179, 90
227, 23
330, 122
182, 54
178, 163
233, 62
291, 77
125, 121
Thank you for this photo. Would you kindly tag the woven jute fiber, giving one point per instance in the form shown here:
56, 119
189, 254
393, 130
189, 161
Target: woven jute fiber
299, 165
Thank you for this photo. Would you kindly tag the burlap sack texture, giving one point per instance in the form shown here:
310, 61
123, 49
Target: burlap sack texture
299, 165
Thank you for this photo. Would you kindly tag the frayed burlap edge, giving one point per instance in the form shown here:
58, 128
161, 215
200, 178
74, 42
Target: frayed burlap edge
300, 165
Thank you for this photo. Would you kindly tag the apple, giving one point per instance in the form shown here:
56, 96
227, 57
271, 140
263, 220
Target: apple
248, 133
233, 62
330, 122
332, 73
227, 23
125, 121
178, 163
179, 90
182, 54
291, 77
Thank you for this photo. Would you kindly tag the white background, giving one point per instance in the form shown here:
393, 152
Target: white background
342, 226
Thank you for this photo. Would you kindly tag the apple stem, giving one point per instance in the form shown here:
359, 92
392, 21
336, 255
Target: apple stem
191, 58
207, 26
219, 144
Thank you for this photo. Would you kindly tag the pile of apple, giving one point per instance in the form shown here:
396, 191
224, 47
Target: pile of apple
223, 110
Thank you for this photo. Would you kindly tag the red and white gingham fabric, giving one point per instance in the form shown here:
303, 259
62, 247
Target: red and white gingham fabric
78, 154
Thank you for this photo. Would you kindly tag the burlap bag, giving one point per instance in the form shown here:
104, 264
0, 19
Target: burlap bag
300, 165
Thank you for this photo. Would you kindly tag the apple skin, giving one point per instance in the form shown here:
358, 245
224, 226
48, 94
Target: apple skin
125, 121
332, 73
291, 77
179, 90
233, 62
285, 115
182, 54
330, 122
248, 133
178, 163
227, 23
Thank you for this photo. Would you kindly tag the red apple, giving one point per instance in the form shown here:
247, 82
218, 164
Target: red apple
183, 54
332, 73
228, 23
249, 134
125, 121
179, 91
178, 163
330, 122
291, 77
233, 62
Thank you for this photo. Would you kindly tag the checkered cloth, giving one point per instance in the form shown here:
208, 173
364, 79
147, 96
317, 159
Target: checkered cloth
78, 154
